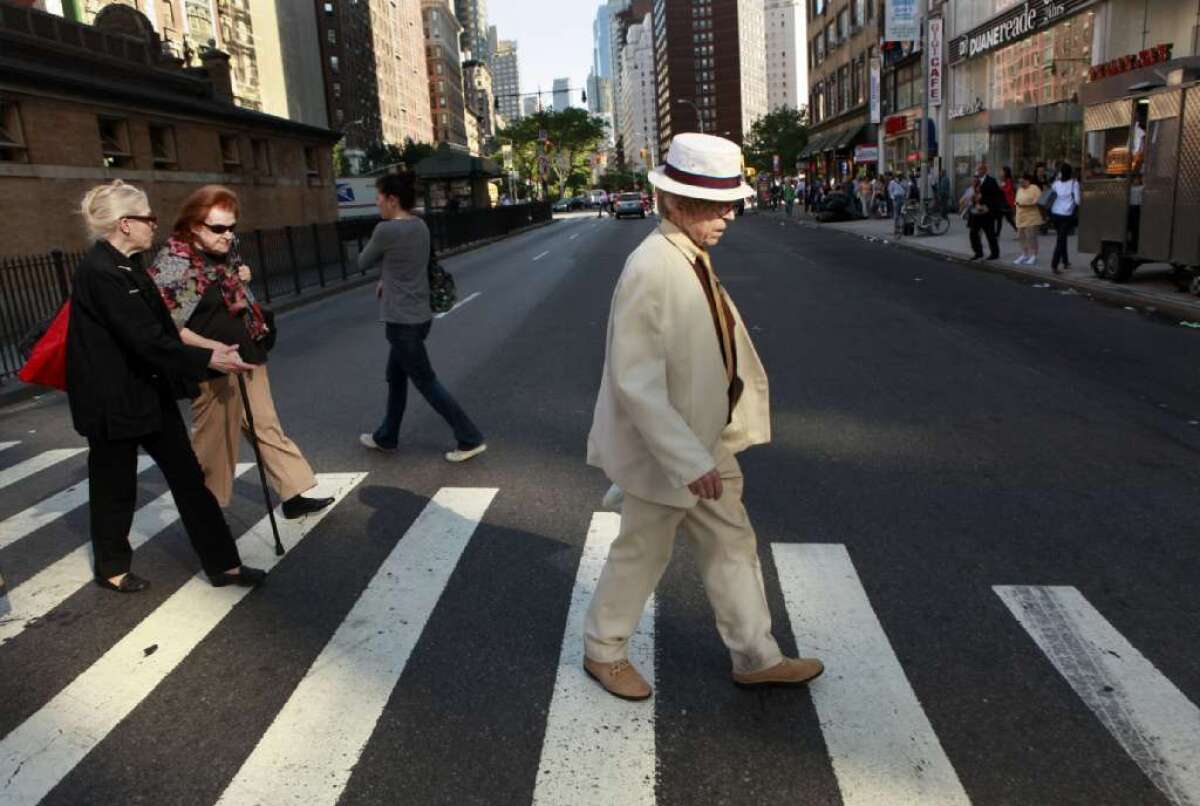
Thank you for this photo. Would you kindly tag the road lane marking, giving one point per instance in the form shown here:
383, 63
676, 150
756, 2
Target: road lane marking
597, 749
51, 509
22, 471
6, 445
897, 759
36, 756
50, 587
542, 255
457, 305
573, 237
310, 750
1148, 716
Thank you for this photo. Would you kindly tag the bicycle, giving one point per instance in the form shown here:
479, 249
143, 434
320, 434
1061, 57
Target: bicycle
927, 218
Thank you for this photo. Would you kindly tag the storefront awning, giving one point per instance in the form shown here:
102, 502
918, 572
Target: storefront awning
816, 143
848, 135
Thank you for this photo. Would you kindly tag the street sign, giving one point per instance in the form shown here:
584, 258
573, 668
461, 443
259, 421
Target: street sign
876, 113
866, 153
901, 21
935, 61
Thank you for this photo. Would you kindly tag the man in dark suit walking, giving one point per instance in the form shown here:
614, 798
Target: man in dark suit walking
992, 197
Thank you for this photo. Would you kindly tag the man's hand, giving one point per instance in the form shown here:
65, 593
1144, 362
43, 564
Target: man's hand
225, 359
708, 486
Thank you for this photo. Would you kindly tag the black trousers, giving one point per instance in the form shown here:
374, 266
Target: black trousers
112, 478
986, 224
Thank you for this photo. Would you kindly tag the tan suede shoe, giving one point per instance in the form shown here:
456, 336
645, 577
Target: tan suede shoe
788, 672
619, 679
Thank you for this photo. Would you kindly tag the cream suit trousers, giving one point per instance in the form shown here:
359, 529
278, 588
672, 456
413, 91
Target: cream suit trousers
218, 420
728, 557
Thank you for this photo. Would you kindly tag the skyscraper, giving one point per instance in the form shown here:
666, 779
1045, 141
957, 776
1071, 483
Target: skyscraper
562, 95
444, 63
529, 105
711, 67
639, 123
506, 79
787, 64
472, 15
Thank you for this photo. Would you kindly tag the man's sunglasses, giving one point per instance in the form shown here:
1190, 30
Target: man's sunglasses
220, 229
147, 219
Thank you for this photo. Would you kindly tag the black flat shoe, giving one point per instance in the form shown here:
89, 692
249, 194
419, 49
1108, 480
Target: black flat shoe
130, 583
298, 505
246, 577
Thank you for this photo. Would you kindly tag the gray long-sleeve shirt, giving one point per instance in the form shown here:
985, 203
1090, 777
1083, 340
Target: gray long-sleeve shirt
403, 247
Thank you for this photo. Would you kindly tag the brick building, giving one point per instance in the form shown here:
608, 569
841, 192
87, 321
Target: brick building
81, 105
711, 67
443, 63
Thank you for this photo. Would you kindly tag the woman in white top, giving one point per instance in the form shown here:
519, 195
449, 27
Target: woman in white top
1062, 213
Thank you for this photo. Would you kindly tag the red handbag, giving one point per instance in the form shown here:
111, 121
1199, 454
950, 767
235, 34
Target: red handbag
47, 364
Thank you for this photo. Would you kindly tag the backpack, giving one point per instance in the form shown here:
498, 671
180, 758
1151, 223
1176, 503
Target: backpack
442, 293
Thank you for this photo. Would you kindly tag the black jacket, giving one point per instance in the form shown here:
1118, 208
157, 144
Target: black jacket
993, 195
125, 360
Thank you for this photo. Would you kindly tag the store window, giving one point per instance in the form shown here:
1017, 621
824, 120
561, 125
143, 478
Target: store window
1046, 68
12, 138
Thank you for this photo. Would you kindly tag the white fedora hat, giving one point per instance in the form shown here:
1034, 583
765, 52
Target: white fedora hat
703, 167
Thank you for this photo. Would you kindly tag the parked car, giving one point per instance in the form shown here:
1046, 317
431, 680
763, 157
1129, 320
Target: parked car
568, 203
630, 204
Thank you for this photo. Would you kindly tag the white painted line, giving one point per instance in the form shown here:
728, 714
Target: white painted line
597, 749
458, 305
881, 743
50, 587
542, 255
19, 472
308, 753
48, 745
51, 509
6, 445
573, 237
1148, 716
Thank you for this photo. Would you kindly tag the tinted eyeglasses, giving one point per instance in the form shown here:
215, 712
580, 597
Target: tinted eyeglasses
152, 220
220, 229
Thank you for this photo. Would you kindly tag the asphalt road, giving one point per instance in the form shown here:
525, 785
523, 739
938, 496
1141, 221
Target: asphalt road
978, 506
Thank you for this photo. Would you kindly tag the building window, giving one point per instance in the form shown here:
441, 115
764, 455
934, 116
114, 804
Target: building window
12, 139
162, 147
114, 142
231, 154
843, 24
312, 164
333, 65
262, 157
337, 90
329, 9
331, 36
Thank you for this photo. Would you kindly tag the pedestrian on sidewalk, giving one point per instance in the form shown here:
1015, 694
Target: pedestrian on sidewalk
1043, 179
896, 196
682, 392
126, 367
1009, 188
1063, 212
203, 284
1029, 220
401, 243
789, 197
986, 207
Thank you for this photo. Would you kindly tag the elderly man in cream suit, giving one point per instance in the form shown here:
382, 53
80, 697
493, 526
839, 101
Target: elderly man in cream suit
682, 392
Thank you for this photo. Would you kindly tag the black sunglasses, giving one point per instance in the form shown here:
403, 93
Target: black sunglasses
148, 219
220, 229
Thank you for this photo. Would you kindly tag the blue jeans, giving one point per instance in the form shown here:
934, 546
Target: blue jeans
407, 360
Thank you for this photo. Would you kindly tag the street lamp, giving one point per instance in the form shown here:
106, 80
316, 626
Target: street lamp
692, 104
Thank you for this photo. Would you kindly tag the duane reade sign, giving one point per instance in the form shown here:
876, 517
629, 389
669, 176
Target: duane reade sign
1013, 25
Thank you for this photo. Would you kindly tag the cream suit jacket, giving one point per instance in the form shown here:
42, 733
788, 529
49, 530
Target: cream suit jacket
660, 418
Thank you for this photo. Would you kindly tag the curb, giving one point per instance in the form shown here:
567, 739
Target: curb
1114, 295
14, 390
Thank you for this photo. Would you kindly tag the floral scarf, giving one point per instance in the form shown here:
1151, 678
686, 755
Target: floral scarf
183, 273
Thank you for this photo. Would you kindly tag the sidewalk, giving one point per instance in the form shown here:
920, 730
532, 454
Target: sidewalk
1151, 288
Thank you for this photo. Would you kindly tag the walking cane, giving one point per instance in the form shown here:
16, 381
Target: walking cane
262, 474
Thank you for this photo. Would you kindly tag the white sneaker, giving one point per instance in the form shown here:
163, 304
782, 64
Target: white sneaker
462, 456
1020, 261
368, 441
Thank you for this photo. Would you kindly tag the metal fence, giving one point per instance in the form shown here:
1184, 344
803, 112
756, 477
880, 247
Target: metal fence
286, 262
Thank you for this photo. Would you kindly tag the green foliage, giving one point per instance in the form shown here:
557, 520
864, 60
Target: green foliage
341, 166
572, 137
615, 179
383, 155
783, 131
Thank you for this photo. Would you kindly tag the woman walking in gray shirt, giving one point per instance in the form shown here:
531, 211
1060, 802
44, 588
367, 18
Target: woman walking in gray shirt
401, 242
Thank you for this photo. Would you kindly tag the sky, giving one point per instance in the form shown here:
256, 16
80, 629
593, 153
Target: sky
554, 40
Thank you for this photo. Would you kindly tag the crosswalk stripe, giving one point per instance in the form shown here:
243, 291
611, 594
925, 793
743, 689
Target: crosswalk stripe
36, 464
1148, 716
48, 745
47, 589
597, 749
6, 445
881, 743
51, 509
311, 748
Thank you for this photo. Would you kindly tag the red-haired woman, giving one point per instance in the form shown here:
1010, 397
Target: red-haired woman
209, 302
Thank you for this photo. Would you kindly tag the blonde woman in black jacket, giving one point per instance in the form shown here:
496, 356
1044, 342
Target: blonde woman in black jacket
126, 367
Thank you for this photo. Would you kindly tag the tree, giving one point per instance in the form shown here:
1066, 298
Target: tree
783, 131
572, 136
615, 180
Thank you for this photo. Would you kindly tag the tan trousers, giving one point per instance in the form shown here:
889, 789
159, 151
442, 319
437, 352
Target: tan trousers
218, 420
728, 557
